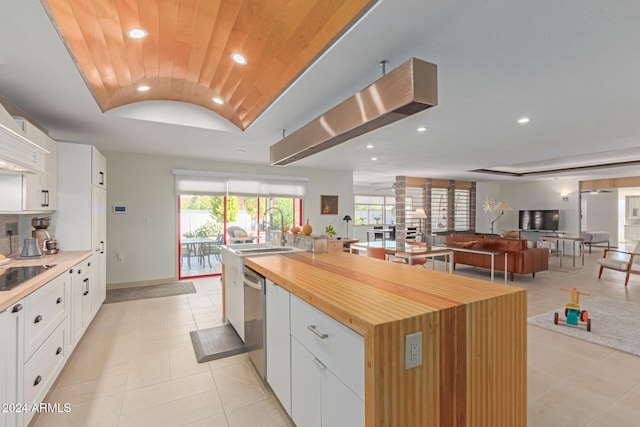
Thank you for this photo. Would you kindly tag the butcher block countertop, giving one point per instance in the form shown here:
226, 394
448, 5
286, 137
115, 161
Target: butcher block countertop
362, 292
62, 260
474, 369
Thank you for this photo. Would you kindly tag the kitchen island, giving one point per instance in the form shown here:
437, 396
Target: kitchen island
474, 337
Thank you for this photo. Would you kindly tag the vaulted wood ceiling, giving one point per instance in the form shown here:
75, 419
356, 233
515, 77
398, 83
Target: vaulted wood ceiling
187, 54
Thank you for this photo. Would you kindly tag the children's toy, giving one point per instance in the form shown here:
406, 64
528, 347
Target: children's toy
573, 315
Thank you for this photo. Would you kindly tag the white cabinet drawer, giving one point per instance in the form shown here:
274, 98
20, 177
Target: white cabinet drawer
85, 266
44, 310
336, 346
43, 368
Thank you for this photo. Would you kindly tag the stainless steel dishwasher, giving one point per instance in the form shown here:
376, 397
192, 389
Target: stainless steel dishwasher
254, 324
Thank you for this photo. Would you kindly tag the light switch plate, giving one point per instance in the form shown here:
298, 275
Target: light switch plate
413, 350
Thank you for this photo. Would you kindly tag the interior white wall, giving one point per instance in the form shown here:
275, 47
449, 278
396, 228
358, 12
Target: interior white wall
601, 213
147, 235
621, 209
544, 194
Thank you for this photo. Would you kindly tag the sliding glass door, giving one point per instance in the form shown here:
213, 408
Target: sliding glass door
207, 222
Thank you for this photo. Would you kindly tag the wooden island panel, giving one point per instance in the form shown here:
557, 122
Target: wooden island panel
474, 368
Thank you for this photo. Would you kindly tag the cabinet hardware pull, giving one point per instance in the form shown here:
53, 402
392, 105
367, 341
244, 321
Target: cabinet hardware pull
88, 264
37, 381
79, 271
318, 363
101, 178
71, 271
58, 351
17, 308
38, 319
85, 293
320, 335
59, 300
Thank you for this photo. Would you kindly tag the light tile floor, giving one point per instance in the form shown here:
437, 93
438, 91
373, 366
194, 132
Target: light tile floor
135, 365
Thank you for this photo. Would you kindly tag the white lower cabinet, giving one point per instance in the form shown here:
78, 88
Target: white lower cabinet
37, 334
44, 310
11, 362
278, 343
42, 369
4, 319
306, 398
318, 397
12, 322
83, 306
315, 365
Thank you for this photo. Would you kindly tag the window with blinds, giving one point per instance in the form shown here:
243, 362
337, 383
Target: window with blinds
439, 214
462, 204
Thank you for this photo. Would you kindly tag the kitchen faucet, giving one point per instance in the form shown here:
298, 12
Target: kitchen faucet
283, 240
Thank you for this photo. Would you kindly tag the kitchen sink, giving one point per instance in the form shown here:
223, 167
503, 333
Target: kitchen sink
262, 250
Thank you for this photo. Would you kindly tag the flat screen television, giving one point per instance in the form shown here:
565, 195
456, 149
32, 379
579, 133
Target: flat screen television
548, 220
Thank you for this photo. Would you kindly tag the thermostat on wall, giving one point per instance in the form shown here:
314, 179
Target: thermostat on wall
119, 209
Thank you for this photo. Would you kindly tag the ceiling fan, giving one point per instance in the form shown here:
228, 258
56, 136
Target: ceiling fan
392, 187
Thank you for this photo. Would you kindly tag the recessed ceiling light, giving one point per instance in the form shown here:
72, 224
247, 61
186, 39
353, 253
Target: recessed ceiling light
369, 146
239, 58
421, 129
522, 120
240, 151
374, 158
137, 33
217, 100
143, 88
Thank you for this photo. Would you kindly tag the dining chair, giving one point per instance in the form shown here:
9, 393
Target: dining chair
419, 261
379, 253
206, 250
377, 234
185, 252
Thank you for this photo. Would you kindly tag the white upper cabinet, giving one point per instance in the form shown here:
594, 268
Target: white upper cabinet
17, 151
98, 168
32, 192
40, 192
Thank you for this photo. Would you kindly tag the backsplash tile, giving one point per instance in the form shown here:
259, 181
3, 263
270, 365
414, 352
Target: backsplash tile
4, 239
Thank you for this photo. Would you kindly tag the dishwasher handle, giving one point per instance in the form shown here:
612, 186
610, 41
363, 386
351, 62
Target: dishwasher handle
252, 280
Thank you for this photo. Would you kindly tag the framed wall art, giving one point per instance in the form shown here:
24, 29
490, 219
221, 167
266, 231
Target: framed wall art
329, 205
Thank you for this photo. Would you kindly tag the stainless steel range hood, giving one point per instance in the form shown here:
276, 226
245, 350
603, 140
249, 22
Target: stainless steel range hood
410, 88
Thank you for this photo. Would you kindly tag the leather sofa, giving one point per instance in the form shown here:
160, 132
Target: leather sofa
520, 259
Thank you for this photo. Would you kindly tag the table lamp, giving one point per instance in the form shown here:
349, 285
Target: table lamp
347, 218
420, 214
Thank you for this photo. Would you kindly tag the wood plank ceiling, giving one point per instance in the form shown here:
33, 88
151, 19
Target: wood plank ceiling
187, 53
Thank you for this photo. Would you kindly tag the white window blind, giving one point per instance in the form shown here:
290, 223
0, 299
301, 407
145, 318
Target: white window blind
223, 183
462, 205
439, 202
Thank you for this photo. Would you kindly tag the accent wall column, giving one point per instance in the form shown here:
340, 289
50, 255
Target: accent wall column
427, 208
401, 222
472, 207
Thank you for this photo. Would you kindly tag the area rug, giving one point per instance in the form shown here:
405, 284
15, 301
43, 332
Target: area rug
614, 324
151, 291
560, 272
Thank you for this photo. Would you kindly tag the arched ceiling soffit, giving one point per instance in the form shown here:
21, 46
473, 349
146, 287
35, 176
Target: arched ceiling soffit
187, 53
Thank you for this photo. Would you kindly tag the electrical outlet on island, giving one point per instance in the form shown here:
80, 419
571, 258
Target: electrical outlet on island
413, 350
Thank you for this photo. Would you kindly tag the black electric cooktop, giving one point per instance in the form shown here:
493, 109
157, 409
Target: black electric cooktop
15, 276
